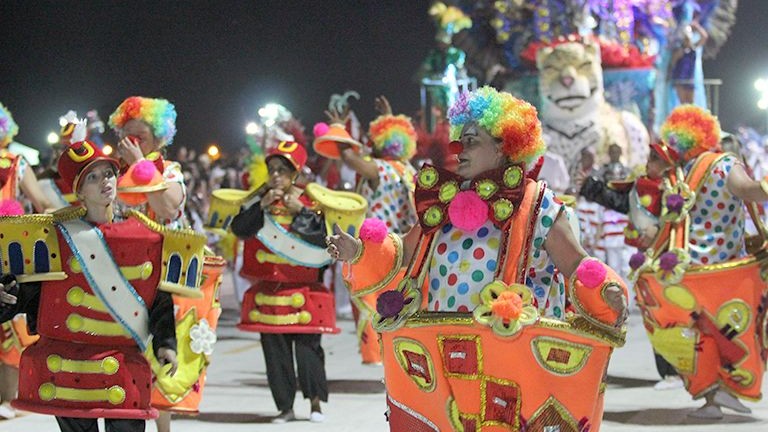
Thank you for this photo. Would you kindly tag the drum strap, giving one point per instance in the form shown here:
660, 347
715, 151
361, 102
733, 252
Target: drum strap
106, 280
291, 247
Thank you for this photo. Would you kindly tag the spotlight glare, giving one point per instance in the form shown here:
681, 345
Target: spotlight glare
213, 151
252, 128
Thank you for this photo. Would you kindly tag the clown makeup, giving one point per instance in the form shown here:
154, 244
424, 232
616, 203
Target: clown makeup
281, 173
481, 151
137, 128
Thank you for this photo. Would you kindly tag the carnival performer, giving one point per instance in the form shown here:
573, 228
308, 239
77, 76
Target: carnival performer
95, 296
385, 179
287, 303
145, 127
703, 300
685, 64
155, 187
15, 176
488, 262
640, 199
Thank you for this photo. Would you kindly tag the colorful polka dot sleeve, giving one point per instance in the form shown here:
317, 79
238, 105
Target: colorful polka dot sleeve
717, 218
392, 201
547, 284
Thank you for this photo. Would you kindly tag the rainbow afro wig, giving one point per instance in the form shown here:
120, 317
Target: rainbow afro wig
393, 137
691, 131
511, 120
8, 127
159, 114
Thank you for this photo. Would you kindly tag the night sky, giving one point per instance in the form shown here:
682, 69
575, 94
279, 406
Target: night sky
219, 61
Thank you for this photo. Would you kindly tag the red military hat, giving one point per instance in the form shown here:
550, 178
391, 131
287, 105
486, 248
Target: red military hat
293, 152
78, 158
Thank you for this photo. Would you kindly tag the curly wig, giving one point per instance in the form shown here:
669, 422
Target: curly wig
691, 131
159, 114
8, 127
503, 116
393, 137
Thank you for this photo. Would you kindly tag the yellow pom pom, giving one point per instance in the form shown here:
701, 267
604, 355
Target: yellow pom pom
646, 200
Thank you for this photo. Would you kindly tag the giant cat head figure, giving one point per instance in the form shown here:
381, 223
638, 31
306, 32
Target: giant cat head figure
570, 80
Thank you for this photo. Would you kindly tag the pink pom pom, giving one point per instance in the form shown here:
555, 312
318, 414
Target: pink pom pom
374, 230
11, 207
143, 172
320, 129
591, 273
468, 211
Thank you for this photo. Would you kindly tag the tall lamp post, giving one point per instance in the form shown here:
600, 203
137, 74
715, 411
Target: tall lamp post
762, 86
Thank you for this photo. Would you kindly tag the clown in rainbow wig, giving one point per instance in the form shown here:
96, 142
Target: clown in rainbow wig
148, 183
711, 329
484, 271
156, 188
385, 179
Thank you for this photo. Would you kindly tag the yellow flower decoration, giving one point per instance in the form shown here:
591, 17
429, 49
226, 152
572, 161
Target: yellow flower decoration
670, 266
506, 308
676, 202
395, 306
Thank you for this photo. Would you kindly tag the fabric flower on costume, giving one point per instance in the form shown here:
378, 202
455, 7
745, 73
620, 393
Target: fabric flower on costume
638, 263
393, 307
506, 308
676, 202
671, 265
203, 338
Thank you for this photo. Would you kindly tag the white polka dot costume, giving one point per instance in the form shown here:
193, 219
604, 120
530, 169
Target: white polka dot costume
717, 218
463, 263
392, 200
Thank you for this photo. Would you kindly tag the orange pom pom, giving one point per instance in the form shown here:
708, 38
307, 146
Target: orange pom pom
508, 306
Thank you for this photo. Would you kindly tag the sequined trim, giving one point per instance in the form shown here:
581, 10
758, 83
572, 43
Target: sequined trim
455, 358
559, 356
413, 413
552, 415
415, 362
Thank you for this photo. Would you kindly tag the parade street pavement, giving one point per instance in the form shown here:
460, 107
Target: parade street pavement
237, 397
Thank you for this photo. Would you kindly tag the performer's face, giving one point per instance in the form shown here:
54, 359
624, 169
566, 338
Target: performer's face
137, 128
481, 152
281, 173
99, 185
656, 167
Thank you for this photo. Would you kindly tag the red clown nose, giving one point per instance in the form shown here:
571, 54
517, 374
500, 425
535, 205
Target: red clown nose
455, 147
